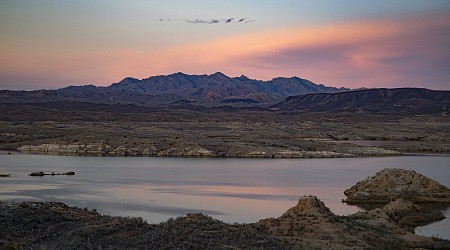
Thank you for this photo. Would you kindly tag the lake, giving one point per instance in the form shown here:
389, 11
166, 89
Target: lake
232, 190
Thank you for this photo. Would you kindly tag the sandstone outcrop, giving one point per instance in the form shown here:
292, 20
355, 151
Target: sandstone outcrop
402, 213
310, 223
390, 184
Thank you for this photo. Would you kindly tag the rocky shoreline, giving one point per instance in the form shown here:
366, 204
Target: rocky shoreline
307, 225
169, 132
102, 149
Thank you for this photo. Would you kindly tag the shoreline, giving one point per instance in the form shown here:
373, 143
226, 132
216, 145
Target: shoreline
181, 133
309, 224
17, 152
57, 225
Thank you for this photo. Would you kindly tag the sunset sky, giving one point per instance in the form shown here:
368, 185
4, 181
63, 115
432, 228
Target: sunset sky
54, 43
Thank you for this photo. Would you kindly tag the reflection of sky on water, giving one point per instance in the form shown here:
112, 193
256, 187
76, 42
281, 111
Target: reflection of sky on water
263, 193
438, 229
242, 190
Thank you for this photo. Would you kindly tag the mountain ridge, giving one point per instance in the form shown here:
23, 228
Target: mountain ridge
217, 90
381, 100
166, 89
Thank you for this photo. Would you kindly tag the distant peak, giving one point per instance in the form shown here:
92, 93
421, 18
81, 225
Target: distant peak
129, 79
279, 78
89, 86
125, 81
285, 78
219, 74
179, 74
243, 77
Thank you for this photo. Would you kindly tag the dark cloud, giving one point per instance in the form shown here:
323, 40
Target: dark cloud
207, 21
210, 21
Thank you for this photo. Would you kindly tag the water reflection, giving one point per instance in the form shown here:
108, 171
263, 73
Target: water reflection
428, 214
242, 190
438, 229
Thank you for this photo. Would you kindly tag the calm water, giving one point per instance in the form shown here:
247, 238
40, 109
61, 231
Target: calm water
232, 190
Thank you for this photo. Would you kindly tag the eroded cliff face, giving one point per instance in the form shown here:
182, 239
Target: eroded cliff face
390, 184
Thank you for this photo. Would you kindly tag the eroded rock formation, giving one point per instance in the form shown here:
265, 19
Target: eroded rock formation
311, 224
390, 184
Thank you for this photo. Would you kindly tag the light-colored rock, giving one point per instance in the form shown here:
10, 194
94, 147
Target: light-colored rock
402, 206
390, 184
74, 148
186, 151
311, 224
372, 151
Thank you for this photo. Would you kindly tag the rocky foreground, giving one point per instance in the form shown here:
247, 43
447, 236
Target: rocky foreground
308, 225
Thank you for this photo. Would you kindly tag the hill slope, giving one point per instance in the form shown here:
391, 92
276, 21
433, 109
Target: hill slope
401, 100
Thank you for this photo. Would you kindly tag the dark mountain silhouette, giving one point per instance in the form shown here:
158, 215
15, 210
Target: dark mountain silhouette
201, 89
218, 90
400, 100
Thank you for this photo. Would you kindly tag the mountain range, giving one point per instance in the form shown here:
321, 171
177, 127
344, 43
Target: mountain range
218, 90
179, 88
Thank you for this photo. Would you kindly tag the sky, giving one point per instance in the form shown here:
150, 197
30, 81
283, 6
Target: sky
354, 43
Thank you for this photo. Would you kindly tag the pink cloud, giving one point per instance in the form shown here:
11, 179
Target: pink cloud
386, 53
377, 54
412, 51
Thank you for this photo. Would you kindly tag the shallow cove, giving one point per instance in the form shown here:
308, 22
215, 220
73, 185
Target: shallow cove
232, 190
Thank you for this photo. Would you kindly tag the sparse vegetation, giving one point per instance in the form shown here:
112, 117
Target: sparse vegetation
95, 129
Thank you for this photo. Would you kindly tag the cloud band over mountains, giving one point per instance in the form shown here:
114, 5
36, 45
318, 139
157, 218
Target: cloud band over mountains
47, 44
211, 21
405, 51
